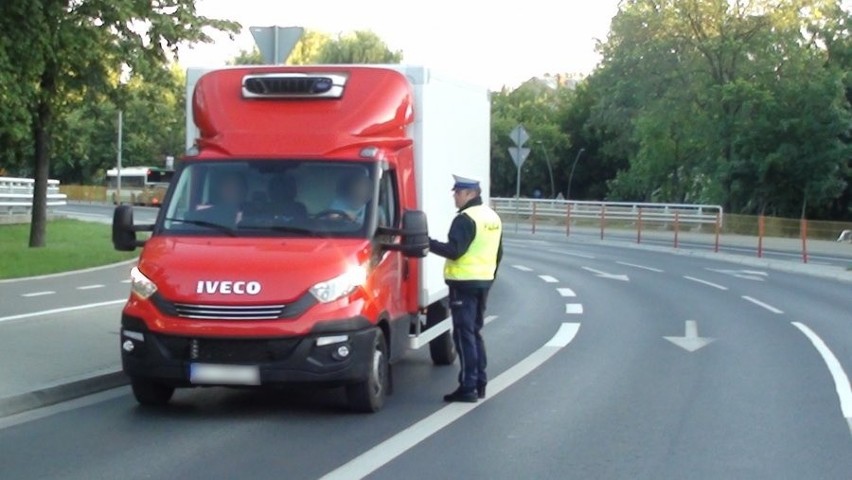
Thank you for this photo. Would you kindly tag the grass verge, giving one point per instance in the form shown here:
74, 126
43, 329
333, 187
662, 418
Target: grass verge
71, 245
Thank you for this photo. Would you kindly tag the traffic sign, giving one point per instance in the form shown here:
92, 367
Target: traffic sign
519, 136
275, 43
519, 155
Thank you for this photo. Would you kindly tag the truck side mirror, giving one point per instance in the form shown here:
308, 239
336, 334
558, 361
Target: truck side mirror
414, 233
123, 234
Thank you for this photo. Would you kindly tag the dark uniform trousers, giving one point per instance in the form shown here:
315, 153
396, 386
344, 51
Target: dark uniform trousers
467, 305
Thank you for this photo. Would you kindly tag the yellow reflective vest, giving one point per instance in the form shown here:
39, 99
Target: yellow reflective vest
479, 262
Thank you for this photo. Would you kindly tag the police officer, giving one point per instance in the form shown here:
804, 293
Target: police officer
473, 252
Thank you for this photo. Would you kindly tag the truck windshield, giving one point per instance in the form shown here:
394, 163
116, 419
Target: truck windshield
292, 198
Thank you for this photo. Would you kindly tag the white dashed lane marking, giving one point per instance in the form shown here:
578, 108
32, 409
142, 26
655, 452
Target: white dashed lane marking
519, 267
641, 267
762, 305
89, 287
705, 282
37, 294
548, 279
566, 292
574, 308
572, 254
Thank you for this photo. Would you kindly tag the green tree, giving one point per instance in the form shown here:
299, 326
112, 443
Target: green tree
309, 48
153, 128
247, 57
362, 46
730, 102
319, 48
536, 106
72, 47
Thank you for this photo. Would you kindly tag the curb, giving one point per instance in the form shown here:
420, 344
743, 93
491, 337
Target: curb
62, 392
70, 272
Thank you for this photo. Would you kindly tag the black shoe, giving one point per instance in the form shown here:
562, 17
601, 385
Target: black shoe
467, 396
480, 391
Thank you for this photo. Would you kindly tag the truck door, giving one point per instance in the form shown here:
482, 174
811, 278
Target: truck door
391, 266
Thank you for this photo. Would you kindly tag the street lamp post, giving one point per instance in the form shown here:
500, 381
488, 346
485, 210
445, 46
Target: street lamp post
549, 169
118, 157
571, 175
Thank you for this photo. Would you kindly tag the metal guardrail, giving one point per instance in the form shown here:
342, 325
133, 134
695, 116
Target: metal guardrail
568, 210
16, 195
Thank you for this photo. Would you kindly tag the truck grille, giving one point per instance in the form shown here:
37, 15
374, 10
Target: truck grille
233, 312
224, 312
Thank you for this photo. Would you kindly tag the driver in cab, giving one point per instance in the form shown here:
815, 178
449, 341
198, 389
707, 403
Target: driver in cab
353, 194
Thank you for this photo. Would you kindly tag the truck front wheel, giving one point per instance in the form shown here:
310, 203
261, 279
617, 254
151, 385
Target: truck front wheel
368, 396
151, 393
442, 349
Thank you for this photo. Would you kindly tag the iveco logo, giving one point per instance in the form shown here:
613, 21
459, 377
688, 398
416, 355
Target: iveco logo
225, 287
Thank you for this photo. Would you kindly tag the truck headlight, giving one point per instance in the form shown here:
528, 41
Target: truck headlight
339, 287
140, 284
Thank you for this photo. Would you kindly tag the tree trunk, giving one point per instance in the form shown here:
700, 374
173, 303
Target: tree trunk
41, 137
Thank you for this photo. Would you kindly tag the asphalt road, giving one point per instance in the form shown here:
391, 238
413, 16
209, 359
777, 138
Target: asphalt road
765, 398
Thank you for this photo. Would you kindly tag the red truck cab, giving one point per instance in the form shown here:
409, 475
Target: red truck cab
290, 246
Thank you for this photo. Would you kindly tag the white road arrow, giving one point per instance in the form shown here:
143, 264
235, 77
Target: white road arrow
612, 276
690, 341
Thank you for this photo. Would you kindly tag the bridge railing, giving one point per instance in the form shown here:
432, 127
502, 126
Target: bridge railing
16, 195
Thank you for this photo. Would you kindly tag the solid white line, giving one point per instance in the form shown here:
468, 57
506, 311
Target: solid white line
572, 254
705, 282
548, 279
522, 268
574, 308
489, 319
383, 453
89, 287
841, 381
566, 292
642, 267
761, 304
38, 294
62, 310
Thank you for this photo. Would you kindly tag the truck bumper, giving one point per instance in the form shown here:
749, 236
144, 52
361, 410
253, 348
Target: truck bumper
337, 358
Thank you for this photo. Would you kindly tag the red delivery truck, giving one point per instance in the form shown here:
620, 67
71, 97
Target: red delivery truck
292, 244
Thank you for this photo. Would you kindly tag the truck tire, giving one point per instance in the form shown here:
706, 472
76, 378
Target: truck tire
442, 349
368, 396
151, 393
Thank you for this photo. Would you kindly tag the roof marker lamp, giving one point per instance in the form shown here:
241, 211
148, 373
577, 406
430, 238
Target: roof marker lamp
141, 285
341, 286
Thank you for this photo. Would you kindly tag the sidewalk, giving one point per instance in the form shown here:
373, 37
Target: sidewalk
53, 358
794, 264
691, 240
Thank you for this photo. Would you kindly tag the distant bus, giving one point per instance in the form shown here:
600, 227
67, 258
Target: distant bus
139, 185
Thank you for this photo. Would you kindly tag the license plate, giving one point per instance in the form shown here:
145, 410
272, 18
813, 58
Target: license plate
212, 374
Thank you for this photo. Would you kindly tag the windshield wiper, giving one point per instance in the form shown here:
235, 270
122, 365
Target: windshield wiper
282, 228
201, 223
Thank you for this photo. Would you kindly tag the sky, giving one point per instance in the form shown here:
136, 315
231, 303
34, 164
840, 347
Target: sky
492, 44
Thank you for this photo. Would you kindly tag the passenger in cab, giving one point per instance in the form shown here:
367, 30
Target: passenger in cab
226, 200
282, 199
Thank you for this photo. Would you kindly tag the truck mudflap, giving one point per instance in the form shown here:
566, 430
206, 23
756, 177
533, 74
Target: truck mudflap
337, 358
